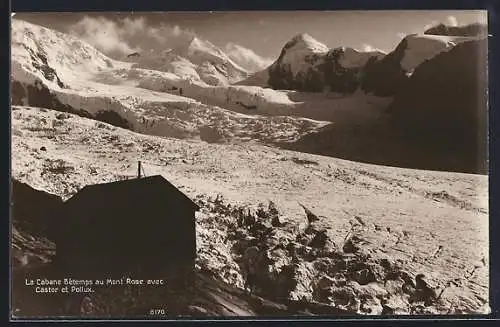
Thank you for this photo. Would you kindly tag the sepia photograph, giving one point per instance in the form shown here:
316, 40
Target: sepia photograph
249, 164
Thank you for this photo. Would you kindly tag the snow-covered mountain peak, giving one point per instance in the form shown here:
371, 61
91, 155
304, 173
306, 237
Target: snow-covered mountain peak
54, 57
195, 59
197, 46
30, 42
300, 53
304, 41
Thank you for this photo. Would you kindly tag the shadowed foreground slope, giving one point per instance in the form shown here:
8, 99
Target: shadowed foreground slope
445, 109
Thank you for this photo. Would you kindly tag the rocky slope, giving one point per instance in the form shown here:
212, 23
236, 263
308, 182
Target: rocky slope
377, 227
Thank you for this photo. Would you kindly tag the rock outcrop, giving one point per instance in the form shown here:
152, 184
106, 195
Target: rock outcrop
476, 29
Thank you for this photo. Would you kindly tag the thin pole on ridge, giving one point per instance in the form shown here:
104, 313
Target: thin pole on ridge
139, 170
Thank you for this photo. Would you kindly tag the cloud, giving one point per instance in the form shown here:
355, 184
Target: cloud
176, 31
102, 33
133, 27
119, 38
452, 20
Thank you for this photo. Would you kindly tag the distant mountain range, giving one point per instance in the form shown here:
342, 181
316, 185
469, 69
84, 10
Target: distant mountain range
437, 85
306, 64
200, 60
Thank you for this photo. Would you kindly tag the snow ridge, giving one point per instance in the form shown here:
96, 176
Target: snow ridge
422, 47
246, 58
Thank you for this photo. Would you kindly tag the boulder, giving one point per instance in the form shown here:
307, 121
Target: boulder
325, 282
211, 134
276, 221
342, 296
351, 245
371, 306
340, 279
364, 276
394, 286
395, 305
319, 240
371, 290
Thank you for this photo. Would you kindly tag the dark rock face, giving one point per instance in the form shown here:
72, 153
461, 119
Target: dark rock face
467, 30
280, 77
39, 61
18, 93
385, 77
39, 95
337, 78
443, 105
133, 54
112, 118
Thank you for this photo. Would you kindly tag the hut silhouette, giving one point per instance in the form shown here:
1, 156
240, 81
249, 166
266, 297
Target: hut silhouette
34, 210
141, 224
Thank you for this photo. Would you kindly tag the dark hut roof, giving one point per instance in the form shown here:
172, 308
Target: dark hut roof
129, 190
33, 209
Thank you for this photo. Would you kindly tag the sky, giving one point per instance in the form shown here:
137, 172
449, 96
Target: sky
264, 32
